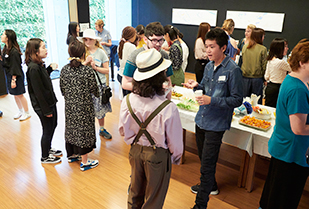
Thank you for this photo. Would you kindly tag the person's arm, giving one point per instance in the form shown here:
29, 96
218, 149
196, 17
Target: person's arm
267, 74
127, 83
108, 43
104, 69
36, 82
298, 124
92, 83
263, 59
173, 134
15, 63
13, 82
285, 66
190, 84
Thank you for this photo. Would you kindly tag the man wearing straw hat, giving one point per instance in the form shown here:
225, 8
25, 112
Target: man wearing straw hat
150, 123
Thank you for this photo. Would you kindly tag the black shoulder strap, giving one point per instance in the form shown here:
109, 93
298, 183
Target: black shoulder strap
143, 125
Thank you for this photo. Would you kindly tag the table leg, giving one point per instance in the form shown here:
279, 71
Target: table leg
184, 131
251, 171
243, 171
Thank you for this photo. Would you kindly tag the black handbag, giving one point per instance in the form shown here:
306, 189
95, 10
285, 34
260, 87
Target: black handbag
106, 91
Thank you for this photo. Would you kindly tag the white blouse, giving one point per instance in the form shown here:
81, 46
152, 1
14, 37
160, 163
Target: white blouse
200, 49
127, 49
276, 70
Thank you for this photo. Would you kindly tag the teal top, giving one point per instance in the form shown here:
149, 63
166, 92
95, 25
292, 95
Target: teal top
284, 144
130, 66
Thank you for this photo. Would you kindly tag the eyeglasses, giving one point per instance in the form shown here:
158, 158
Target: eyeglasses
155, 41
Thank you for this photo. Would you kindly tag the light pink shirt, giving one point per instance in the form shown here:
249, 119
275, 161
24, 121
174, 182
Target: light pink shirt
200, 49
165, 128
276, 70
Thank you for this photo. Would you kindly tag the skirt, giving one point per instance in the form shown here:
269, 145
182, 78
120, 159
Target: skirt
20, 84
99, 108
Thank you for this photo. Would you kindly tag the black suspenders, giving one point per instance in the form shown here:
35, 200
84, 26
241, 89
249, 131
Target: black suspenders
143, 125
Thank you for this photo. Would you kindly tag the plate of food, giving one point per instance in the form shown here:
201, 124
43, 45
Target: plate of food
255, 123
261, 113
176, 95
189, 104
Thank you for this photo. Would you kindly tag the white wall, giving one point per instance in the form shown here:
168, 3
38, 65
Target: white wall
56, 14
118, 16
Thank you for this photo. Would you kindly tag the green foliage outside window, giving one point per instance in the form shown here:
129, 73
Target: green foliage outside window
97, 11
25, 17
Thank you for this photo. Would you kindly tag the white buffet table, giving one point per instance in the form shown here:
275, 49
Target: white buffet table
253, 141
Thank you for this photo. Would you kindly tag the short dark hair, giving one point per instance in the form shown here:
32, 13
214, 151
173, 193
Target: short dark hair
76, 49
276, 48
219, 35
151, 86
140, 29
32, 48
154, 28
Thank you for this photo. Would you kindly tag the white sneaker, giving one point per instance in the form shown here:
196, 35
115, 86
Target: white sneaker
25, 116
90, 164
18, 115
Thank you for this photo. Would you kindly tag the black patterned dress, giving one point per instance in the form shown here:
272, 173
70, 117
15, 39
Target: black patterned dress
77, 86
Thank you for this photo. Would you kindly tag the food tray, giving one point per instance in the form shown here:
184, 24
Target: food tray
261, 129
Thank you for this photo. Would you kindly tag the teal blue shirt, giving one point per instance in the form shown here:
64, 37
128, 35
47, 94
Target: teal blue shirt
284, 144
130, 66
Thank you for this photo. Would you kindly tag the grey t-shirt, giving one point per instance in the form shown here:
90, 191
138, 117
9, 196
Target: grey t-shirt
100, 57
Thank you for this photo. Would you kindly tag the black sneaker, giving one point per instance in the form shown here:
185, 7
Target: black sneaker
54, 151
214, 190
51, 159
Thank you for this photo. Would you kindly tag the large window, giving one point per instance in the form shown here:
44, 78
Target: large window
25, 17
44, 19
97, 11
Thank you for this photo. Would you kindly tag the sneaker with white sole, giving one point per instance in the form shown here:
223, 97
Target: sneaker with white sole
25, 116
51, 159
105, 134
18, 115
54, 151
74, 158
214, 190
90, 164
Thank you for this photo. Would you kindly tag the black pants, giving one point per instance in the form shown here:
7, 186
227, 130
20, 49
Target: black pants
209, 143
271, 94
284, 185
124, 92
199, 69
49, 125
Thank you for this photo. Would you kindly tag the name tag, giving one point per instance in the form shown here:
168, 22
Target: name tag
97, 63
222, 78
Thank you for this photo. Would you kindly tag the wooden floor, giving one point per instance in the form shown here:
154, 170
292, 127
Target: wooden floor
26, 183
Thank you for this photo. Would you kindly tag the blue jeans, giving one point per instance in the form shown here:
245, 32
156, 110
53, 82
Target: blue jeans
211, 146
255, 86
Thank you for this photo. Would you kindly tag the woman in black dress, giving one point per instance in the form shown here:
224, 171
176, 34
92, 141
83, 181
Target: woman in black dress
11, 56
78, 84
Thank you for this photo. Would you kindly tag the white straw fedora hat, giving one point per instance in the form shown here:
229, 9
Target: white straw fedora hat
89, 33
149, 63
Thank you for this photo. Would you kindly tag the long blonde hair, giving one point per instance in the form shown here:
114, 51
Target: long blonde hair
97, 44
